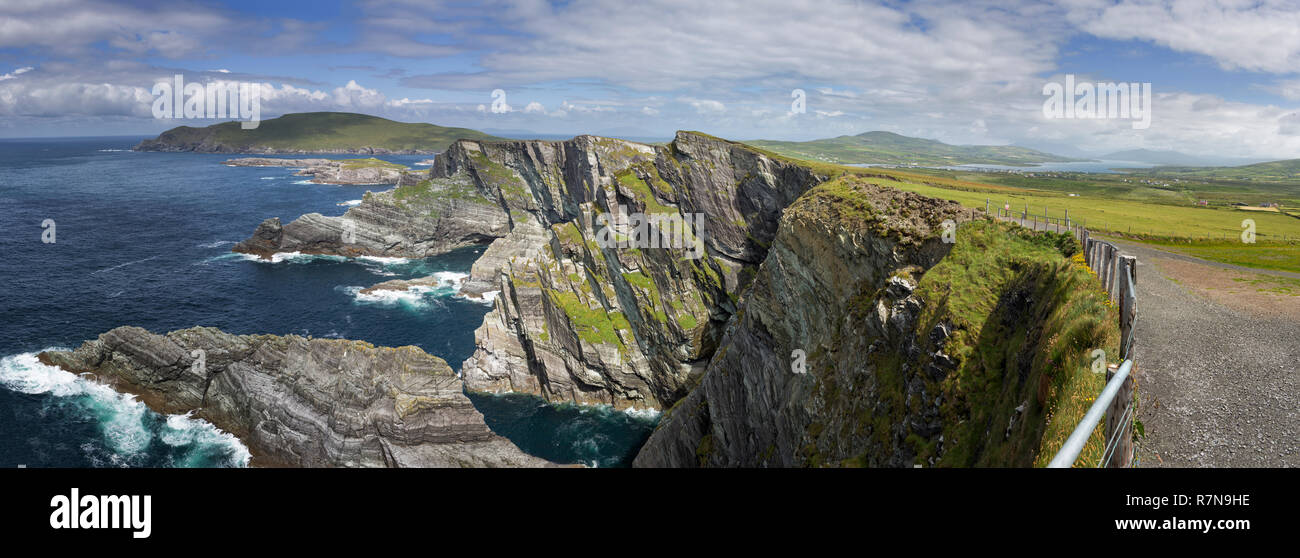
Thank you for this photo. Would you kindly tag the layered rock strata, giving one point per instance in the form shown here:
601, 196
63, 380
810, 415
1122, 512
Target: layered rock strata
298, 401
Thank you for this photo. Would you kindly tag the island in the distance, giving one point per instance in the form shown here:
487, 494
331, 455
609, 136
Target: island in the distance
314, 132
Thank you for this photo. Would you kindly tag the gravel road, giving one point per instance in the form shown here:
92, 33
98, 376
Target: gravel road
1219, 385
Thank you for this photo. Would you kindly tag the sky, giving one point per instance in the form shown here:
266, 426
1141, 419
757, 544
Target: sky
1224, 74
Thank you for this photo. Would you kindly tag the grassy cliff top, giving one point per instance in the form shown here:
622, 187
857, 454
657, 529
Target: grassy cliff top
323, 131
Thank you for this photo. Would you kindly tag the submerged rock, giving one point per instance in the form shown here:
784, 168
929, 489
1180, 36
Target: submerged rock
298, 401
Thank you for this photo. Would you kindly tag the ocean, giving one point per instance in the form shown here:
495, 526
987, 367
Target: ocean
144, 239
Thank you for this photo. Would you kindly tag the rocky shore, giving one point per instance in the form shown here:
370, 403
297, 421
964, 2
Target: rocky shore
332, 171
298, 401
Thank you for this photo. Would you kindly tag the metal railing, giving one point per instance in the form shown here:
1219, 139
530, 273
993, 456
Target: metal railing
1069, 452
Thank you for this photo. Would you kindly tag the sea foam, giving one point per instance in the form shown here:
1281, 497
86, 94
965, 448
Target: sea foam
121, 418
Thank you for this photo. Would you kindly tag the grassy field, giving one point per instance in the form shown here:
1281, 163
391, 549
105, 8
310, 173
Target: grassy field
1280, 257
1121, 216
370, 162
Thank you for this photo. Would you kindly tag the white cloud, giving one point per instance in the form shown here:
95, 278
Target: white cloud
534, 107
1249, 35
705, 106
16, 73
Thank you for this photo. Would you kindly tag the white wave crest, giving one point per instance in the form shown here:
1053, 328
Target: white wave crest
120, 417
293, 257
381, 260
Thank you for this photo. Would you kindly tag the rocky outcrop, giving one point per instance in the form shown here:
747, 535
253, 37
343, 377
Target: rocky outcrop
332, 171
580, 319
298, 401
419, 218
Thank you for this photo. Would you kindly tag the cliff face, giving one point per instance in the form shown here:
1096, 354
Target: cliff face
579, 319
916, 352
845, 244
303, 402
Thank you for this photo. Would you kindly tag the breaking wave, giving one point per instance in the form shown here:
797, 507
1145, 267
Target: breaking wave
129, 431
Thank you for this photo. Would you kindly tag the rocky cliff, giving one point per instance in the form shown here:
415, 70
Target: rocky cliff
914, 350
580, 319
911, 351
298, 401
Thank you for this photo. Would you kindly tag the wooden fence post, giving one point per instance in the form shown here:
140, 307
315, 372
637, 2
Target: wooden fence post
1118, 426
1119, 418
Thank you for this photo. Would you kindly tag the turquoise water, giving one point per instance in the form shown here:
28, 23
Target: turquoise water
143, 239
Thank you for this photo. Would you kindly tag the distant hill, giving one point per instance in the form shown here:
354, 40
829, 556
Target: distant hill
1273, 171
314, 132
888, 148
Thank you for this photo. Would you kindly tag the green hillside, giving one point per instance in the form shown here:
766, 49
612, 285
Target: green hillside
313, 132
1287, 171
888, 148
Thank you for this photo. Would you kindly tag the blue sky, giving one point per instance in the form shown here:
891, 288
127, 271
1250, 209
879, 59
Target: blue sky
1226, 74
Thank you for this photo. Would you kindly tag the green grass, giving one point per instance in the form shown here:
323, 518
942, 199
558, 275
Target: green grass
370, 162
1122, 216
424, 193
643, 191
593, 325
1016, 300
325, 131
1279, 257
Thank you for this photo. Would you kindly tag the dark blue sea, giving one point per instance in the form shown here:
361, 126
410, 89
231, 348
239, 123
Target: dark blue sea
144, 239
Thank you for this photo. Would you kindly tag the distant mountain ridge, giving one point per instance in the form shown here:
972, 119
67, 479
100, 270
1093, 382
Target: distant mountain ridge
888, 148
314, 132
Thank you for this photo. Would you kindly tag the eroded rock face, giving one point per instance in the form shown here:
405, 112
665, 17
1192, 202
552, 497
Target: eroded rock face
845, 245
424, 219
296, 401
580, 320
577, 319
